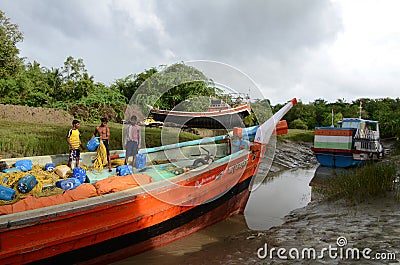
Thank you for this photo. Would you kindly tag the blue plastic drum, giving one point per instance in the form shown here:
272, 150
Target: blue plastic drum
27, 183
93, 143
6, 193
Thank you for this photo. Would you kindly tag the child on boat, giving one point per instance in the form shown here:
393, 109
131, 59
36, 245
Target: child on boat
132, 140
74, 142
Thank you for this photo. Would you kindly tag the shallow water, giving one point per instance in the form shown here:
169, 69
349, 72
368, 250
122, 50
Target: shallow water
276, 197
267, 205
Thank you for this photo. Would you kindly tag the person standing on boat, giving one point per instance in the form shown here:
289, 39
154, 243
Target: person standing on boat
132, 140
74, 142
104, 133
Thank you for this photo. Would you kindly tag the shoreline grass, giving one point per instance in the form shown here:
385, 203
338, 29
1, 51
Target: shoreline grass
362, 183
19, 139
298, 135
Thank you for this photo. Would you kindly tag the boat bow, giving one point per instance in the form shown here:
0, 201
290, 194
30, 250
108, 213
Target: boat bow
266, 129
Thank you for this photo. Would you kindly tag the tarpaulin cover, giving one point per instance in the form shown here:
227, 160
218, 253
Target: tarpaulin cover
118, 183
30, 202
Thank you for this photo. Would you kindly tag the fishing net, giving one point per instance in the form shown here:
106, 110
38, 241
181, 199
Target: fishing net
45, 183
101, 158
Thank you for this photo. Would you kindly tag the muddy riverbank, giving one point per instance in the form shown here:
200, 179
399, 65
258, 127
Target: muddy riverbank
366, 233
240, 240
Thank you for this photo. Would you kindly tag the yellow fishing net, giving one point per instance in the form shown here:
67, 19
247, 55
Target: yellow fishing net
44, 179
118, 162
101, 158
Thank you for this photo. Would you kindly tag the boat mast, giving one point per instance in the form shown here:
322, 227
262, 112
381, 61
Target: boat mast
266, 129
360, 108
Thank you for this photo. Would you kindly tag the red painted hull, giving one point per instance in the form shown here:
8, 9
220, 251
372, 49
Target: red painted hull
234, 206
133, 219
220, 119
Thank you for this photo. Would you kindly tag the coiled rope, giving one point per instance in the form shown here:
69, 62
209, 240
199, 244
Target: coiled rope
101, 158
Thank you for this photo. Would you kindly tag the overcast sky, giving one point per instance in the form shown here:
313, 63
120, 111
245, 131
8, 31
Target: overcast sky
309, 49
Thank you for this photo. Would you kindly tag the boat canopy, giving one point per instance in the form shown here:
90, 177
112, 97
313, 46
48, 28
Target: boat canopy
357, 121
365, 128
358, 124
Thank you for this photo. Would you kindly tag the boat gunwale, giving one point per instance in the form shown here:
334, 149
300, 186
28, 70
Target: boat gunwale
80, 206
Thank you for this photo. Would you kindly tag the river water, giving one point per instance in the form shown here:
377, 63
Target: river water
278, 194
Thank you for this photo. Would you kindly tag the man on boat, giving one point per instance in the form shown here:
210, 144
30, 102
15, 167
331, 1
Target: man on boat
132, 140
74, 142
104, 132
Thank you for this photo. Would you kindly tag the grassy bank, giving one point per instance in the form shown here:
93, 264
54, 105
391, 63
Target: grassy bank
31, 139
298, 135
363, 183
18, 139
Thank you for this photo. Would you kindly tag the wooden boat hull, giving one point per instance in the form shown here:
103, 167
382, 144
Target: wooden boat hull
160, 234
114, 226
340, 158
223, 119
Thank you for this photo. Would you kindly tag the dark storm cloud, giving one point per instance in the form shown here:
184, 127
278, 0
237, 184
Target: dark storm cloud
268, 39
248, 28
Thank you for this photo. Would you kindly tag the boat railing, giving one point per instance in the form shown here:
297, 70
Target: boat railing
366, 140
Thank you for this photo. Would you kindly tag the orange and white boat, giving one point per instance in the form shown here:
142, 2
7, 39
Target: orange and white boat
163, 205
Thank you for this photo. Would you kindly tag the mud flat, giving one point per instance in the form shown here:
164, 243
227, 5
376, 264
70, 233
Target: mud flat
363, 233
372, 228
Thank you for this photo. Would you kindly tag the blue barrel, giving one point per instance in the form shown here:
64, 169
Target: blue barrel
27, 183
6, 193
68, 184
93, 143
140, 161
124, 170
50, 166
24, 165
80, 174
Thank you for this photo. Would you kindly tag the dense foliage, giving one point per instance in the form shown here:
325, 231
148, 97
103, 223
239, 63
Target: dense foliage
9, 37
72, 88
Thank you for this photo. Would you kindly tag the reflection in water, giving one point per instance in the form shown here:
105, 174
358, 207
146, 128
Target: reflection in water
276, 197
321, 177
177, 251
267, 204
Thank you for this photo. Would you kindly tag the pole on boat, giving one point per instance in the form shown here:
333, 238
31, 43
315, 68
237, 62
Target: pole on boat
266, 129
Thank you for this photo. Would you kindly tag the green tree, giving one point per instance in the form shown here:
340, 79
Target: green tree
28, 88
128, 85
76, 81
35, 91
299, 124
55, 80
336, 118
10, 35
305, 112
171, 86
102, 102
